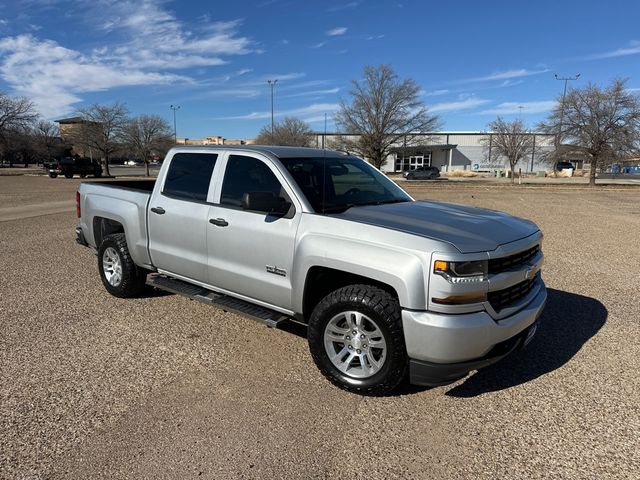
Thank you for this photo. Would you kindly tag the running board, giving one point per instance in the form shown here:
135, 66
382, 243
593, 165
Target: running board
264, 315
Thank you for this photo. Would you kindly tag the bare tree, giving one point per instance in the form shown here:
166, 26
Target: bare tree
290, 132
102, 130
382, 112
46, 134
511, 140
603, 123
147, 135
16, 115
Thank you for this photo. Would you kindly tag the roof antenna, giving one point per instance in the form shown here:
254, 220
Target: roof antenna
325, 131
324, 164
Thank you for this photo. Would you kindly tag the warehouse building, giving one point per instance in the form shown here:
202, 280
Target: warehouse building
454, 151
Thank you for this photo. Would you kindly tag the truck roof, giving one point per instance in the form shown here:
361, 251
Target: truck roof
280, 152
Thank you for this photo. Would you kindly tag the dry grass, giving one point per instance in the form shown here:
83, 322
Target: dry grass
461, 173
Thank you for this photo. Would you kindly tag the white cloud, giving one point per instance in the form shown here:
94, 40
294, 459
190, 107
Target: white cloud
143, 41
465, 104
312, 93
510, 108
632, 49
53, 76
164, 42
505, 75
319, 45
337, 31
343, 6
310, 110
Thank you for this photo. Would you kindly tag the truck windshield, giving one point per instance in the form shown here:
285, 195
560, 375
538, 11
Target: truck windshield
333, 185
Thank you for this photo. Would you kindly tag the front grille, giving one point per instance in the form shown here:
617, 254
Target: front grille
508, 296
499, 265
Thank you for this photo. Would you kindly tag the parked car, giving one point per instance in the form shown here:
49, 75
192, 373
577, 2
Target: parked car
70, 166
389, 288
422, 173
564, 169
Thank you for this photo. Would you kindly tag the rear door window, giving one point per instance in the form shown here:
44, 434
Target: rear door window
189, 176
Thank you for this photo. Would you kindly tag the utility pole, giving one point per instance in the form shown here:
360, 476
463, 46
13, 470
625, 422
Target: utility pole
272, 83
174, 108
564, 93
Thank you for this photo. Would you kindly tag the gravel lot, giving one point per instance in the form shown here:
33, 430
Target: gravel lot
97, 387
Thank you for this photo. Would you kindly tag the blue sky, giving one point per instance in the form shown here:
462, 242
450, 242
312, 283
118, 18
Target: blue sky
473, 60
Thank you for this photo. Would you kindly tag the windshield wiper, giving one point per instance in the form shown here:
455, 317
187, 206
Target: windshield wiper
382, 202
337, 208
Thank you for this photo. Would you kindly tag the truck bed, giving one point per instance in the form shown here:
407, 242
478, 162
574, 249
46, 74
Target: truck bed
145, 185
117, 202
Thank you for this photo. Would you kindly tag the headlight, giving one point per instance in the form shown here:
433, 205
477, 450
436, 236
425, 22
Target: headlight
462, 272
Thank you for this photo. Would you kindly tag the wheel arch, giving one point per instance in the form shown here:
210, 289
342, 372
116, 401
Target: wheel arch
322, 280
103, 226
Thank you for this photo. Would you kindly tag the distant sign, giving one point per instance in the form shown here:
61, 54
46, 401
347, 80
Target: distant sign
476, 166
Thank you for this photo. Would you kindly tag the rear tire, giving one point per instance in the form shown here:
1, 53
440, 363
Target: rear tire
98, 174
53, 175
374, 360
68, 175
119, 274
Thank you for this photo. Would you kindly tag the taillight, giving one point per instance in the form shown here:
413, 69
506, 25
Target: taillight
78, 203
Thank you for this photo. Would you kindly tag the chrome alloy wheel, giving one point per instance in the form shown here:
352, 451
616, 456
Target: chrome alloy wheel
355, 344
112, 266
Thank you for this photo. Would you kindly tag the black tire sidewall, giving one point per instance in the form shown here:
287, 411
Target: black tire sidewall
395, 366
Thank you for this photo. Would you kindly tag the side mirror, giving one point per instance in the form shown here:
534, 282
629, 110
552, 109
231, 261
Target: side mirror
266, 202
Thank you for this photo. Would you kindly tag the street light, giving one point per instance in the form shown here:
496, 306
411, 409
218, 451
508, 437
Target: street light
174, 108
272, 83
564, 93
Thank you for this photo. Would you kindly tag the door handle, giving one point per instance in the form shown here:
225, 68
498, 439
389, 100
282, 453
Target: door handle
158, 210
219, 222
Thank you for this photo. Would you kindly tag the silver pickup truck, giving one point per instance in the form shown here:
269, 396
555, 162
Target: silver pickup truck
389, 288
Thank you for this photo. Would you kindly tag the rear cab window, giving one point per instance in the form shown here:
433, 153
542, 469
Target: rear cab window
189, 176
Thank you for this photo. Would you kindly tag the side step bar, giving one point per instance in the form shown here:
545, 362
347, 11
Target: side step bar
264, 315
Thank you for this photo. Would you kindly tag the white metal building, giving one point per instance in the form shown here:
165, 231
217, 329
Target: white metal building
455, 151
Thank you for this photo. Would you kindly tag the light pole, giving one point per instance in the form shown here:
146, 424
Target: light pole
272, 83
174, 108
564, 93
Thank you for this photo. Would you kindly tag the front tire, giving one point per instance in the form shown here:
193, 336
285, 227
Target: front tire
371, 361
119, 274
53, 175
68, 175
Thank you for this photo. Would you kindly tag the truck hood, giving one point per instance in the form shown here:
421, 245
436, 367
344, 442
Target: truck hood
469, 229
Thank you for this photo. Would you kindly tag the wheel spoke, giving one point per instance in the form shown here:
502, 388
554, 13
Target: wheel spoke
358, 320
372, 361
344, 366
337, 358
336, 337
366, 366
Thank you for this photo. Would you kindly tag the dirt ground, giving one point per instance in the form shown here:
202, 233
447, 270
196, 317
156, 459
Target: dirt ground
92, 386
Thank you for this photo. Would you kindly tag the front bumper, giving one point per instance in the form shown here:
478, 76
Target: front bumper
443, 348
